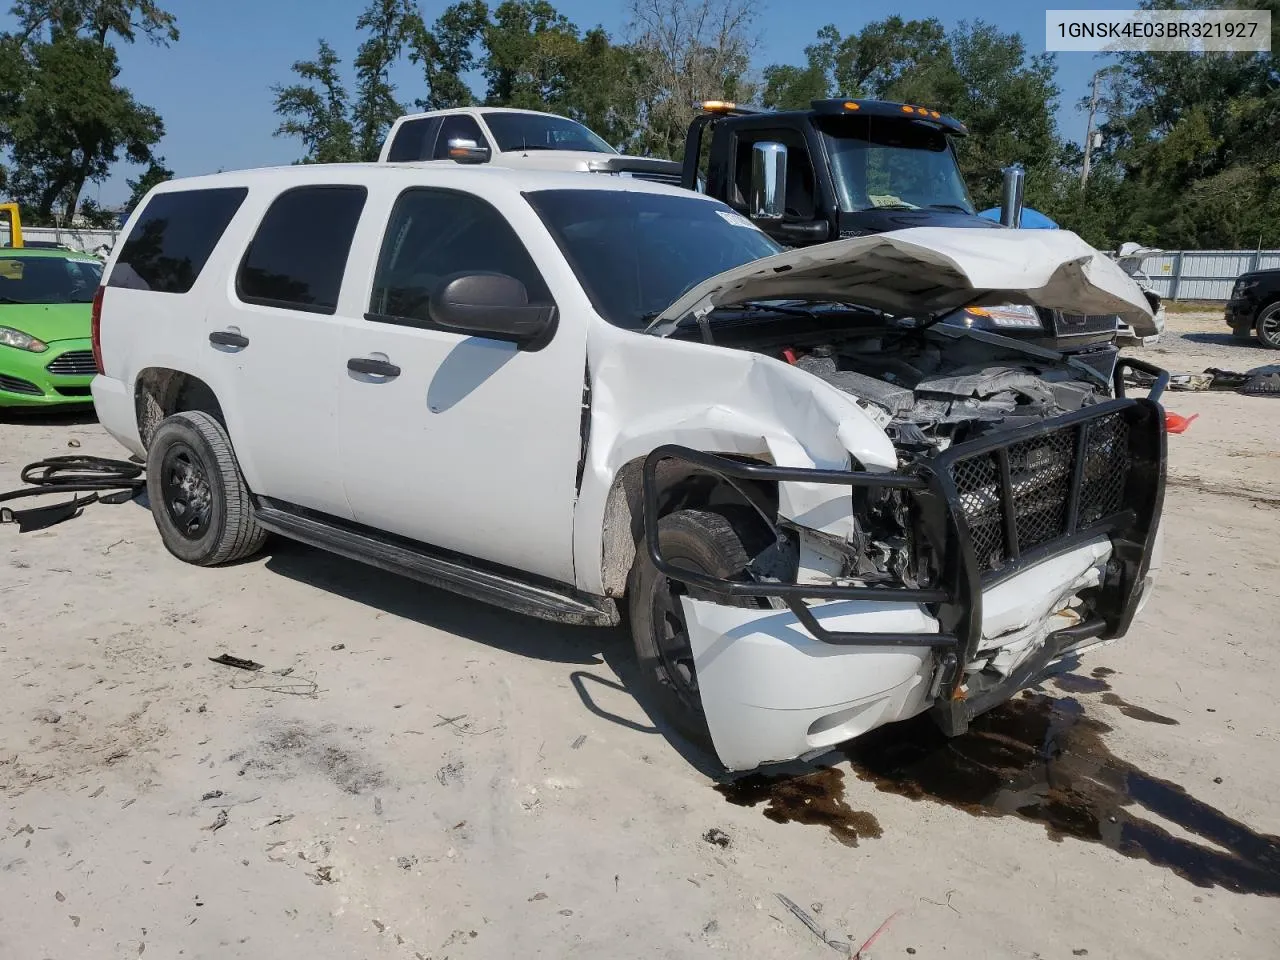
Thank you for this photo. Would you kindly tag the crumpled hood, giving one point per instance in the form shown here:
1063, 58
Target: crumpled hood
931, 271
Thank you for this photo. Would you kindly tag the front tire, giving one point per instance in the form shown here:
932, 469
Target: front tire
717, 541
1268, 326
199, 499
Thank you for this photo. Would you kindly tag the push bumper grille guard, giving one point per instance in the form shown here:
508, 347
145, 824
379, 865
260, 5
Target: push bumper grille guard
941, 514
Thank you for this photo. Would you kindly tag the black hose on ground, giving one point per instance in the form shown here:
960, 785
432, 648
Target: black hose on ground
107, 481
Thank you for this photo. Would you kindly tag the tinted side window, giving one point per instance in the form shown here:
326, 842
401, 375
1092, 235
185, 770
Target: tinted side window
434, 234
173, 238
299, 254
414, 140
460, 126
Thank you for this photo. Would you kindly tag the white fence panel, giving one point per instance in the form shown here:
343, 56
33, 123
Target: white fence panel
1204, 274
87, 241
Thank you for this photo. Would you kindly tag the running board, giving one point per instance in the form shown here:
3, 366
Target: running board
448, 573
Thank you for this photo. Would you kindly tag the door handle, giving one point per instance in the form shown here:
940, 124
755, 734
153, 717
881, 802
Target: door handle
376, 368
227, 338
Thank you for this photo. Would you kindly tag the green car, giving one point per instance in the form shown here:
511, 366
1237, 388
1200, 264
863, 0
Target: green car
46, 312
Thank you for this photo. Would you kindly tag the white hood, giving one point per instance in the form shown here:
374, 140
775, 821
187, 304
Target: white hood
929, 271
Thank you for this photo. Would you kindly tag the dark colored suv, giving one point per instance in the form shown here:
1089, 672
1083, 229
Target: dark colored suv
1255, 305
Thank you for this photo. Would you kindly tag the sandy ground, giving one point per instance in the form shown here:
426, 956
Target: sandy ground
433, 778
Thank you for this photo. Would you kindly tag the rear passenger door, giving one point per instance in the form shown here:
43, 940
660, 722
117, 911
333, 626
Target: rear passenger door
462, 442
273, 345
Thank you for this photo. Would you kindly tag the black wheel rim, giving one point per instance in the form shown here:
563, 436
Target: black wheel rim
675, 667
188, 498
1269, 328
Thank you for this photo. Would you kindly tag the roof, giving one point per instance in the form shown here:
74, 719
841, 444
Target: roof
480, 178
480, 110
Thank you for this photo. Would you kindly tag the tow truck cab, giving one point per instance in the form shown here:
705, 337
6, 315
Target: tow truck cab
848, 168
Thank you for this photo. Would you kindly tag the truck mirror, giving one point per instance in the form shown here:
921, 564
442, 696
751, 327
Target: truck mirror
467, 151
768, 181
489, 305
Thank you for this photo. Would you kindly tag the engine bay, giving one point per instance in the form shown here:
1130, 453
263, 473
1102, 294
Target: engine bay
930, 387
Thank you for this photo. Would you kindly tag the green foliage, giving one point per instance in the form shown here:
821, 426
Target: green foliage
95, 217
155, 173
446, 52
64, 120
317, 110
389, 24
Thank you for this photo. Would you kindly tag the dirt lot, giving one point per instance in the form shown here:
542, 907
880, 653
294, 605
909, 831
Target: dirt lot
414, 775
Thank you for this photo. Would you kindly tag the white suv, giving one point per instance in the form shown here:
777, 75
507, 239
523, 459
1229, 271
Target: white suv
580, 396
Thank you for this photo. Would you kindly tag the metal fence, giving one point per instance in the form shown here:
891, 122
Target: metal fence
86, 240
1204, 274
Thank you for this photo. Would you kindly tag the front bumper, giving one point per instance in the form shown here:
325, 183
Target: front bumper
1239, 314
60, 375
782, 683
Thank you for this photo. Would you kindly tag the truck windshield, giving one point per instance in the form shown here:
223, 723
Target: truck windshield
895, 164
541, 131
635, 253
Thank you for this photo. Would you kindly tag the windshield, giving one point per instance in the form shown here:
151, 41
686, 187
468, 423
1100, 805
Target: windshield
49, 279
878, 164
541, 131
636, 253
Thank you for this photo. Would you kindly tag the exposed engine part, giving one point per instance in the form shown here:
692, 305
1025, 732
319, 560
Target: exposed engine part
927, 397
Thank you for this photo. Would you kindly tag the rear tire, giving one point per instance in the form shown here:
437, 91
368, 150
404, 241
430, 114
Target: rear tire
718, 541
1268, 326
199, 499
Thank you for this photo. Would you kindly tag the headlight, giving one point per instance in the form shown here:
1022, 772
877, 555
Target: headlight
10, 337
1244, 284
1010, 316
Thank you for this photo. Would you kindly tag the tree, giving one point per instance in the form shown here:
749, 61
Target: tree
446, 52
527, 48
156, 173
689, 50
97, 19
602, 89
95, 217
317, 111
1193, 136
389, 24
63, 117
974, 72
71, 122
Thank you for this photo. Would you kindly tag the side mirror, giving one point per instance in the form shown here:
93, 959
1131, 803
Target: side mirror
490, 305
768, 181
799, 234
467, 151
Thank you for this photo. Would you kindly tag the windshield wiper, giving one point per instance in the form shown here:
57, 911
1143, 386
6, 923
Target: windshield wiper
949, 206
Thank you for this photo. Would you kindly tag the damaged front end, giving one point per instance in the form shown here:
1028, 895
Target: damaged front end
958, 578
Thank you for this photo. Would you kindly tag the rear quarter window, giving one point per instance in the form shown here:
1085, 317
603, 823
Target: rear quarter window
173, 238
298, 257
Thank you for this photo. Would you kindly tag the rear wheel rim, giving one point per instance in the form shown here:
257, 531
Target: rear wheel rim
1269, 328
188, 496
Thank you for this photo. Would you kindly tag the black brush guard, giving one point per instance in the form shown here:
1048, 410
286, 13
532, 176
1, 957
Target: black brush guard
987, 515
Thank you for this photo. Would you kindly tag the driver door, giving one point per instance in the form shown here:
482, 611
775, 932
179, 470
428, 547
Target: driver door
467, 443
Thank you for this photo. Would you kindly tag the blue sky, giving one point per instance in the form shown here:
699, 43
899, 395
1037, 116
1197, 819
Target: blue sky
213, 87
